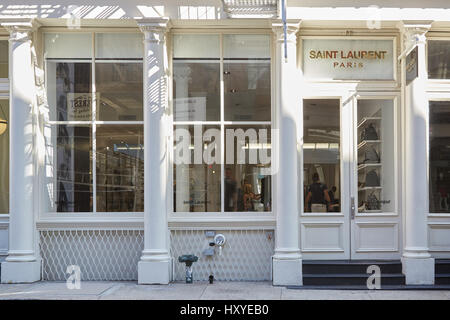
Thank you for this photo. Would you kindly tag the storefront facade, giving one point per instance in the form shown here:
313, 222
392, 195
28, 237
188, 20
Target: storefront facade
136, 134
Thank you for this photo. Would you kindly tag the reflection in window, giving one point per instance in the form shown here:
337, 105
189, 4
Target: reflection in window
4, 57
86, 152
72, 160
120, 168
439, 161
69, 91
321, 154
4, 157
119, 91
438, 59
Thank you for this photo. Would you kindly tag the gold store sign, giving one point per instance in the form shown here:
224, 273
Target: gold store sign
348, 59
359, 55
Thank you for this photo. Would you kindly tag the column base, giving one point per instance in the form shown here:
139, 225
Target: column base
287, 272
21, 272
154, 272
418, 271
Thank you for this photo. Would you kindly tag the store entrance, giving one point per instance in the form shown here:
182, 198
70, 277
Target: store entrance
349, 179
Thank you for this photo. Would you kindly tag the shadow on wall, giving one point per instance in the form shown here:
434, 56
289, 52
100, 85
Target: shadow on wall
133, 9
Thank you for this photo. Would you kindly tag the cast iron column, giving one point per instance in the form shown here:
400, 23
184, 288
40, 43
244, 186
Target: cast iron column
418, 266
22, 264
287, 261
154, 266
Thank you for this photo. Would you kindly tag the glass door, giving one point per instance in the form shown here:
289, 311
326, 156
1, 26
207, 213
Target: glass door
326, 152
375, 222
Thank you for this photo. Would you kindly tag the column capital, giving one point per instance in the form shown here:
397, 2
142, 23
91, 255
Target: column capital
154, 29
292, 26
414, 31
20, 29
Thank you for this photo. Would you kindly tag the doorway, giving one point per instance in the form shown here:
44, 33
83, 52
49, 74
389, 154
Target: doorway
350, 156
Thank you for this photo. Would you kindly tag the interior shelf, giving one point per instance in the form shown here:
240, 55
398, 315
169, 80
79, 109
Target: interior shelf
370, 188
366, 143
367, 120
368, 166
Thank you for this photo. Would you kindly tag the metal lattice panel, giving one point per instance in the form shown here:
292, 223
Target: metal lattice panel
246, 256
100, 254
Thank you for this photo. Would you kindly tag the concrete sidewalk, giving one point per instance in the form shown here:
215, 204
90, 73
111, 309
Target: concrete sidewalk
96, 290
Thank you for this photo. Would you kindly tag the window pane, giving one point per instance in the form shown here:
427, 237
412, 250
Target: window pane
68, 174
247, 90
4, 156
69, 91
131, 45
239, 46
4, 57
68, 45
119, 89
438, 59
196, 88
120, 168
248, 183
196, 181
321, 154
439, 156
196, 46
376, 188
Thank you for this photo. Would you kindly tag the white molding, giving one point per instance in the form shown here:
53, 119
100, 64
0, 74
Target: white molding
438, 225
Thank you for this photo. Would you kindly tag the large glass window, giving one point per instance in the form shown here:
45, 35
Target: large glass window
222, 123
4, 156
94, 133
438, 59
247, 77
196, 74
439, 161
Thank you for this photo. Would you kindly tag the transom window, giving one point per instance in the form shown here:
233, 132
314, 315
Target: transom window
222, 123
94, 159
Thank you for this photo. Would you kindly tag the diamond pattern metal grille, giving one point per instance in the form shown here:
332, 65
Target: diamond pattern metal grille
246, 255
113, 255
100, 254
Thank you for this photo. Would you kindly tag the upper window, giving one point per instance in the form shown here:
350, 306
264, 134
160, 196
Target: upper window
222, 123
438, 59
4, 57
439, 161
4, 156
94, 132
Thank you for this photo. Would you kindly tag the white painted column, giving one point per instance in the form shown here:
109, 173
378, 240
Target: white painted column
418, 266
155, 264
22, 264
287, 261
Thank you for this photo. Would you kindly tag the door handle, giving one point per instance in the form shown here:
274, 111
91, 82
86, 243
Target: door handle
352, 207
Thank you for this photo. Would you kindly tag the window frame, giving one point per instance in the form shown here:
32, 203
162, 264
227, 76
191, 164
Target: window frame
45, 215
222, 215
